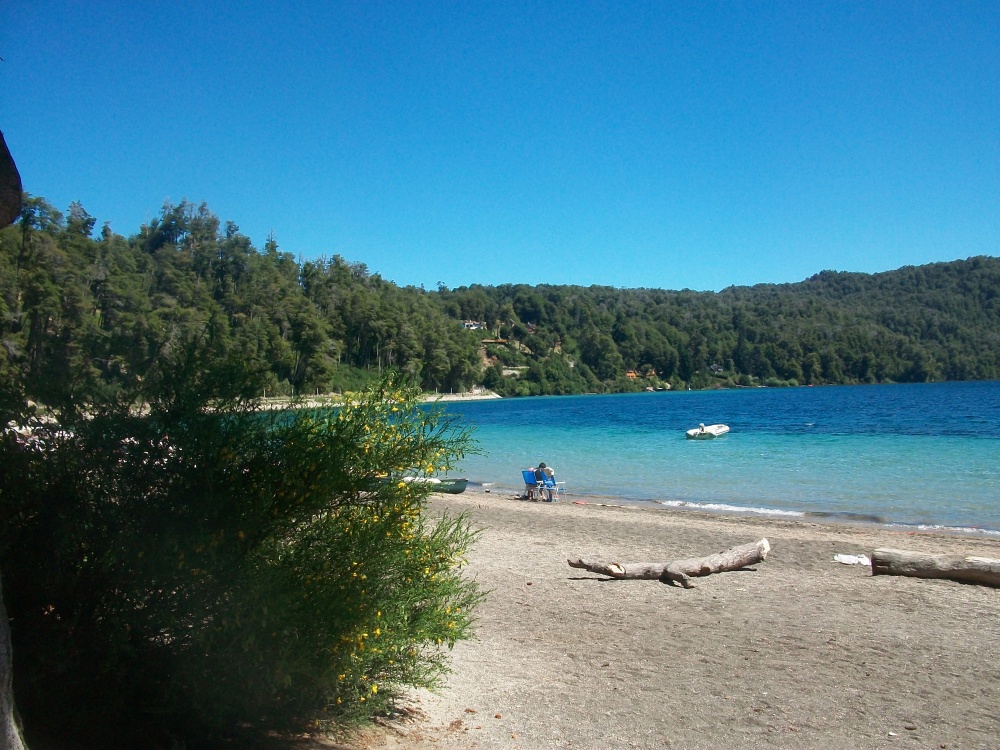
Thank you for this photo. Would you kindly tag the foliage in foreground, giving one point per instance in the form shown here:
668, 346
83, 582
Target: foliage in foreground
195, 570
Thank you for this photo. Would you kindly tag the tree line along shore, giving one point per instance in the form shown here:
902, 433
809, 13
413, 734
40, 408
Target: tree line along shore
86, 311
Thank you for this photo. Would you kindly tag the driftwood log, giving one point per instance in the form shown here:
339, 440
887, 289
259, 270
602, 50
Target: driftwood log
682, 571
897, 562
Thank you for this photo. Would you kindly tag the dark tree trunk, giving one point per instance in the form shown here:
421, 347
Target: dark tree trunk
10, 186
10, 734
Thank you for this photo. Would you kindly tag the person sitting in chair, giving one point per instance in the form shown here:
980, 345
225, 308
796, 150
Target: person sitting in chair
542, 473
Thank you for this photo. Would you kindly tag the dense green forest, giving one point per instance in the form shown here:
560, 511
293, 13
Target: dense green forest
85, 312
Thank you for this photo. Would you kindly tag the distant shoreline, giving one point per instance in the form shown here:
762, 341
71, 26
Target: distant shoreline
479, 395
336, 399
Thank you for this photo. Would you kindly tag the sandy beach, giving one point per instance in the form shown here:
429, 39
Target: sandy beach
801, 652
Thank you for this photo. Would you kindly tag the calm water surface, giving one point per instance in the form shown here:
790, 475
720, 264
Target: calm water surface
925, 455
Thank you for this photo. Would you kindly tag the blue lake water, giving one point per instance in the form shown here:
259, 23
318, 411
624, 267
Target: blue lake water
922, 455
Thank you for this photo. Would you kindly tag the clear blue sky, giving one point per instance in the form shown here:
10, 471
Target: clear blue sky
663, 144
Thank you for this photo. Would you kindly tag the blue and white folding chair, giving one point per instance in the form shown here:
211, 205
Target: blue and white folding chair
531, 485
551, 487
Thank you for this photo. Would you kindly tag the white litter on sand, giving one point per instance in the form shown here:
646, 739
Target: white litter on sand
852, 559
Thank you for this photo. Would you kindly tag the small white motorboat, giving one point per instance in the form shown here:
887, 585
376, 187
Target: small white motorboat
707, 432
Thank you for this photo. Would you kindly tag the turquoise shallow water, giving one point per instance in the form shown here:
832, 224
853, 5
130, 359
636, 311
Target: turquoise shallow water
924, 455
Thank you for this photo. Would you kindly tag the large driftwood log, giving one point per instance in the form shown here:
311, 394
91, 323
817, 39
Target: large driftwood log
682, 571
897, 562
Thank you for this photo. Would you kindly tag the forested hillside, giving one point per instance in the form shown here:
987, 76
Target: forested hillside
83, 313
916, 324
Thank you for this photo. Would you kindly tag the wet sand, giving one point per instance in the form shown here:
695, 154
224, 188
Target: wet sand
801, 652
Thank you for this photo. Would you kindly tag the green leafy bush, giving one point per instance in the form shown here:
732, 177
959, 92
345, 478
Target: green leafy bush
187, 570
349, 378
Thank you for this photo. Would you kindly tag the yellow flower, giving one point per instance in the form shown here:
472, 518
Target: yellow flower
374, 689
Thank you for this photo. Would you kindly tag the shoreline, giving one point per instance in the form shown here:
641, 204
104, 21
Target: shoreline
716, 510
799, 651
691, 511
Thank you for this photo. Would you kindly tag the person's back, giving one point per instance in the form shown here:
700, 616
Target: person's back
546, 480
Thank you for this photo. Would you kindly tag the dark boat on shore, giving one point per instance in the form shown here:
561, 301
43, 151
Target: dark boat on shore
452, 486
449, 486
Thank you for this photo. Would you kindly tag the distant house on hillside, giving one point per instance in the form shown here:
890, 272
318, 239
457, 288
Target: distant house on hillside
631, 374
473, 325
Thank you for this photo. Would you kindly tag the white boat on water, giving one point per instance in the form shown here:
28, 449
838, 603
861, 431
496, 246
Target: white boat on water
707, 432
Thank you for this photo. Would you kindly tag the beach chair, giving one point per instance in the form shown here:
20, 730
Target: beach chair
551, 487
532, 486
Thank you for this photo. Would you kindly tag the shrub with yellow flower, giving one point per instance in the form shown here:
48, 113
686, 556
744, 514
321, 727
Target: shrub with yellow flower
276, 571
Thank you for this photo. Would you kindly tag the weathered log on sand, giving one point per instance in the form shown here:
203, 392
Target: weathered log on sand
897, 562
682, 571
